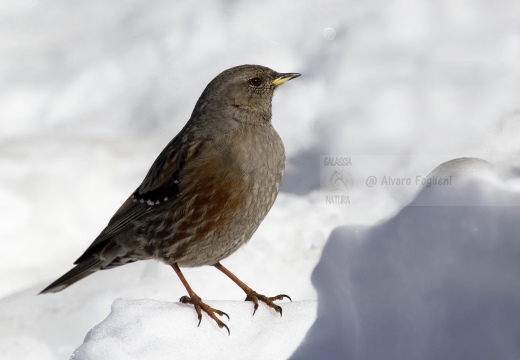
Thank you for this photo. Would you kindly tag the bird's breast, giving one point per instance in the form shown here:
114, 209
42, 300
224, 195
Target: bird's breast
225, 193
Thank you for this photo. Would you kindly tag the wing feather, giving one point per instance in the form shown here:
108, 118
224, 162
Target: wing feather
159, 187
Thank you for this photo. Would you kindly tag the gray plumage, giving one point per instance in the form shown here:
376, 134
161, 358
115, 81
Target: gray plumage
209, 189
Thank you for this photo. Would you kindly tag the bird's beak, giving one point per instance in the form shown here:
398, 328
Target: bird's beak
281, 78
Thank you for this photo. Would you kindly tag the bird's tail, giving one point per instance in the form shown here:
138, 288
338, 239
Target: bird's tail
80, 271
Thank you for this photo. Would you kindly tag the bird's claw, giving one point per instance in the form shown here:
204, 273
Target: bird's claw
269, 301
201, 306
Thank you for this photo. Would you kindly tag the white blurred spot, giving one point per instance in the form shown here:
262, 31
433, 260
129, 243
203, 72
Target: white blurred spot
329, 33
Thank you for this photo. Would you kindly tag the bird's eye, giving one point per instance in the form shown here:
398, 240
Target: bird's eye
256, 81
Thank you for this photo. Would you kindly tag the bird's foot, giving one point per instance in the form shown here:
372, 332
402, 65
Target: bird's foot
201, 306
269, 301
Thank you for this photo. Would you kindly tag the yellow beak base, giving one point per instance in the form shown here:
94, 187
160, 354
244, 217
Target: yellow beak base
282, 78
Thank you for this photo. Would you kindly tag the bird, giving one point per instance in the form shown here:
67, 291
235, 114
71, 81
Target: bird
206, 193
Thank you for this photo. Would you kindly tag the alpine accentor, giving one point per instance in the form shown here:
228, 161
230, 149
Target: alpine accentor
206, 193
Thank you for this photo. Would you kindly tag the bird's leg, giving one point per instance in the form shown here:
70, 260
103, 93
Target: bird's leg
196, 301
252, 295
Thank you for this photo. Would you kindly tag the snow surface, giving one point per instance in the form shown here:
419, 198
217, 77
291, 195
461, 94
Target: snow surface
90, 93
149, 329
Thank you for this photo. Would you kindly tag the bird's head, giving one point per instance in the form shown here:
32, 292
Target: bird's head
246, 87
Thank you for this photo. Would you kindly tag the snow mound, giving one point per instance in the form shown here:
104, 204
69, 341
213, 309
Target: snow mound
149, 329
433, 282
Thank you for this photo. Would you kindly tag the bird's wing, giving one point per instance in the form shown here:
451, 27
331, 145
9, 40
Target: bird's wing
161, 185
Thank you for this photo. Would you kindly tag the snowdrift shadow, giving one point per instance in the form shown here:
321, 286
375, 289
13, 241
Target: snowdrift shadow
300, 174
434, 282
